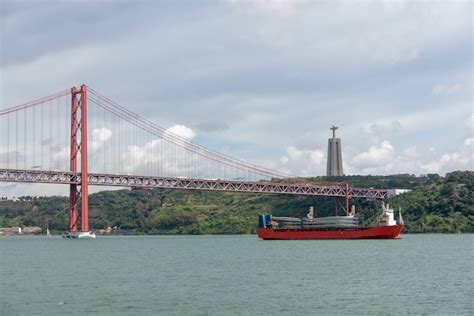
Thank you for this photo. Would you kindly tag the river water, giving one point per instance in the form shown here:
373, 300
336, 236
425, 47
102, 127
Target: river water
236, 275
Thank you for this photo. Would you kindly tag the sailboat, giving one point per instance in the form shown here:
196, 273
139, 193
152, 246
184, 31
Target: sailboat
48, 233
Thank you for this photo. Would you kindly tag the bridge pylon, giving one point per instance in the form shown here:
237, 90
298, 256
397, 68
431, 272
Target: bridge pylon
79, 126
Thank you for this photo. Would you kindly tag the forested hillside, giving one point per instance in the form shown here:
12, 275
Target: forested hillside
436, 204
447, 205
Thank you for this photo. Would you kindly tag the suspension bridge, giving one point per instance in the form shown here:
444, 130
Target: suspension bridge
79, 137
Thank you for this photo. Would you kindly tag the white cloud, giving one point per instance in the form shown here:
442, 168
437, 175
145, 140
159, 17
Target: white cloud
279, 7
389, 48
412, 152
377, 131
415, 121
469, 125
385, 159
463, 159
374, 157
160, 157
435, 165
61, 157
182, 131
74, 64
99, 136
303, 162
446, 89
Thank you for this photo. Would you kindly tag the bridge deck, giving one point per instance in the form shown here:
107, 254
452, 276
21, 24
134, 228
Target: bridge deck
64, 177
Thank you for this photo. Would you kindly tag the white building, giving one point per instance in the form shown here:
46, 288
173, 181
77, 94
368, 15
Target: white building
395, 192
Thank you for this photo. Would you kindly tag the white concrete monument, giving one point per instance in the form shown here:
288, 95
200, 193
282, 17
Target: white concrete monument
334, 165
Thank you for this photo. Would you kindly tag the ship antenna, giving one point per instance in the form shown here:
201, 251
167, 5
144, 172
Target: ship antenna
400, 218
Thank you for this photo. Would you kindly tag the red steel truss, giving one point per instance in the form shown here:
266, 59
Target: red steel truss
59, 177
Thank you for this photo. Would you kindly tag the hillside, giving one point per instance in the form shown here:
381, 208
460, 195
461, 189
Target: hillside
446, 205
436, 204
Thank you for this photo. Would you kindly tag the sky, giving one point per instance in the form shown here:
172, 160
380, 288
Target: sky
264, 80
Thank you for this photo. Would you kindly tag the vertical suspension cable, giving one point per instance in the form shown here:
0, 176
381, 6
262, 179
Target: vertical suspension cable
185, 165
8, 141
117, 148
61, 134
162, 158
102, 123
42, 137
93, 113
16, 141
34, 138
143, 153
129, 148
24, 139
50, 139
151, 158
112, 147
92, 152
149, 148
121, 145
161, 153
112, 136
66, 127
135, 141
57, 131
158, 152
146, 150
167, 159
137, 144
172, 160
134, 146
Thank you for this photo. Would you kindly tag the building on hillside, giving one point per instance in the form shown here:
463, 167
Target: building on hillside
395, 192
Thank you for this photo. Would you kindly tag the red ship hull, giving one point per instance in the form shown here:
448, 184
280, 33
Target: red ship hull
375, 232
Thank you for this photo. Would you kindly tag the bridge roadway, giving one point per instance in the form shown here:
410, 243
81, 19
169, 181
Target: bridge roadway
65, 177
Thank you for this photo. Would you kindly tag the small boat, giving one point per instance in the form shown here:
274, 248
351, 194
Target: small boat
333, 227
80, 235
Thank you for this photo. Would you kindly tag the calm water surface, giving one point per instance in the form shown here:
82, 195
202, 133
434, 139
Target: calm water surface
236, 275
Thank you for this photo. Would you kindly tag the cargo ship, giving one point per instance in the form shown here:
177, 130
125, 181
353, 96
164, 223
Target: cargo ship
333, 227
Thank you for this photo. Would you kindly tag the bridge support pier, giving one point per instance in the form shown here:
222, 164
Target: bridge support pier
79, 106
338, 202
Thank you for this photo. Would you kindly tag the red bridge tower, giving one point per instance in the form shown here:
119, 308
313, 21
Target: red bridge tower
79, 125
